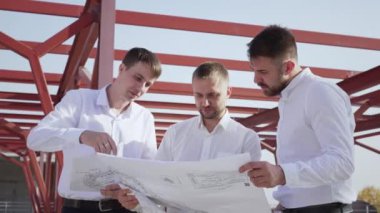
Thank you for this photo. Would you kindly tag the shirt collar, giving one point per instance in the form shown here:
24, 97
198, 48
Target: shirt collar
223, 123
102, 100
287, 91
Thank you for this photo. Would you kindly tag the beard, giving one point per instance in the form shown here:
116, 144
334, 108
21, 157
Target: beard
210, 113
274, 90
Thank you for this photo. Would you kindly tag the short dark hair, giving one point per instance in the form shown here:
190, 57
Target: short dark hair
211, 69
138, 54
273, 42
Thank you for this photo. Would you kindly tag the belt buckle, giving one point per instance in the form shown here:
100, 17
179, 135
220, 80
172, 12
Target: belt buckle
101, 207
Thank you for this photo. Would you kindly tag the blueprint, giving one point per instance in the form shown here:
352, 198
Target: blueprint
203, 186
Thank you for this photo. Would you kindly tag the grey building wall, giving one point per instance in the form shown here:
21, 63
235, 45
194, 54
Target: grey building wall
14, 195
12, 182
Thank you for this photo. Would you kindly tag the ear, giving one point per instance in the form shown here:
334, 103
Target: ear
229, 91
122, 67
290, 64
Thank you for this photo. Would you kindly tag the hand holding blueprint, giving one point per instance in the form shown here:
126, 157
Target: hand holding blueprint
203, 186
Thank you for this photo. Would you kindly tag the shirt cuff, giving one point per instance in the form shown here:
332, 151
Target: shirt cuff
137, 209
291, 174
72, 136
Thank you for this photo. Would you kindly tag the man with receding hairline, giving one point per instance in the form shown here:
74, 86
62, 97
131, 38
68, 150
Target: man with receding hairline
211, 135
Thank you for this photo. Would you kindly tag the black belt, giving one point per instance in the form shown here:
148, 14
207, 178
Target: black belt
325, 208
97, 206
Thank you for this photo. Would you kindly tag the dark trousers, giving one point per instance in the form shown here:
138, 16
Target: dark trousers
84, 206
79, 210
324, 208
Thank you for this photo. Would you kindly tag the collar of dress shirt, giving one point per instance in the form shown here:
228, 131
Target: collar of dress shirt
222, 123
102, 100
287, 91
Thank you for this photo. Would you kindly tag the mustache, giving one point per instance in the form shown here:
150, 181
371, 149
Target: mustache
262, 85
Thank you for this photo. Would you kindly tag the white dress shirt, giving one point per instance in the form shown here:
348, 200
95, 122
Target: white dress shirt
132, 130
190, 140
315, 143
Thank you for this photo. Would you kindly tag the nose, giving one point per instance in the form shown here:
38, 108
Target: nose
140, 87
205, 102
256, 78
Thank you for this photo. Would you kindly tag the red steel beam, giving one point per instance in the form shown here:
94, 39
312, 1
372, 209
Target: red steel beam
194, 61
163, 124
366, 97
16, 46
84, 21
367, 135
149, 104
80, 51
20, 116
191, 24
186, 89
27, 77
106, 43
267, 145
367, 124
45, 8
41, 84
237, 29
264, 117
161, 87
160, 132
35, 196
373, 149
158, 115
361, 81
14, 128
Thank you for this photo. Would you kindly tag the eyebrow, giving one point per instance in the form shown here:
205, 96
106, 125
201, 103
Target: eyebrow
141, 76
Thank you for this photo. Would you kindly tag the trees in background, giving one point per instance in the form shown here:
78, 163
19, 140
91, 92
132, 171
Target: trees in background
370, 195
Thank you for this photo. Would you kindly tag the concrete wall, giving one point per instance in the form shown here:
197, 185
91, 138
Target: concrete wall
12, 182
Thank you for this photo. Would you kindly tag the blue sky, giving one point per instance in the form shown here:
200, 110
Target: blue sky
359, 18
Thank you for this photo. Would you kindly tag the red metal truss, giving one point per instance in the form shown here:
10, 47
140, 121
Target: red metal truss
193, 61
86, 31
190, 24
95, 22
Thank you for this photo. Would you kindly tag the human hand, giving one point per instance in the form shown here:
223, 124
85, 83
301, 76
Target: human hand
264, 174
127, 199
111, 191
101, 141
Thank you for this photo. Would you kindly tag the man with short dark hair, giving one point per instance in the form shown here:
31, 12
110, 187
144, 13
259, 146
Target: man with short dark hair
314, 133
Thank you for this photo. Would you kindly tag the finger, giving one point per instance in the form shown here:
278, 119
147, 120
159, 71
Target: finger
101, 147
245, 167
248, 166
113, 186
107, 147
113, 146
107, 193
97, 147
254, 173
261, 182
129, 204
123, 193
131, 198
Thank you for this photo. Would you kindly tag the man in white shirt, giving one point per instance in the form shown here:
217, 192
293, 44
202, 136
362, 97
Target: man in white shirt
211, 135
314, 133
105, 120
